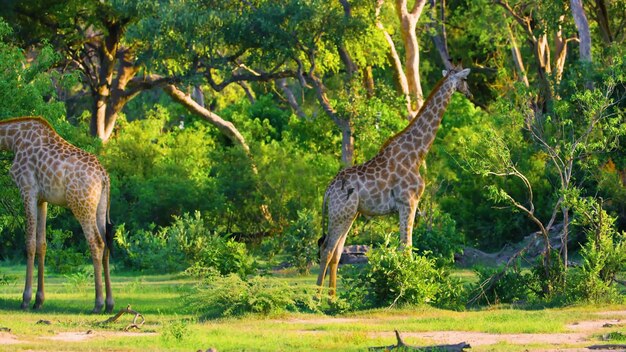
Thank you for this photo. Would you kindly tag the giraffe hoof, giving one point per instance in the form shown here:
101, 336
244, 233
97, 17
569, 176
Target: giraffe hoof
108, 309
24, 306
37, 306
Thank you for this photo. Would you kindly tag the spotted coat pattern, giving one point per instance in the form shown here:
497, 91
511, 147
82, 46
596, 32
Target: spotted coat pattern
47, 169
389, 182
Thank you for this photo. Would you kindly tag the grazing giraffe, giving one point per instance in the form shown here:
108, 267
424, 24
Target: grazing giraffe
48, 169
387, 183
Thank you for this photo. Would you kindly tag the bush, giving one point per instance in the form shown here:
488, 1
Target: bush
395, 277
231, 295
436, 236
186, 242
152, 249
603, 255
301, 242
511, 286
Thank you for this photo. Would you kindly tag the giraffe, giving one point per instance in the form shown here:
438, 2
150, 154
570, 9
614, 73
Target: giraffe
389, 182
48, 169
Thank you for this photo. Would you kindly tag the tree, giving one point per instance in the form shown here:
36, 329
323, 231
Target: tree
584, 125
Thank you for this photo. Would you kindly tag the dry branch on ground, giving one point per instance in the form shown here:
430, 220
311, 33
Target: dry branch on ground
133, 325
400, 345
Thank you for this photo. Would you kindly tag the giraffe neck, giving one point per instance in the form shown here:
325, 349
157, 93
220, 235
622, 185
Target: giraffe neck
416, 139
425, 125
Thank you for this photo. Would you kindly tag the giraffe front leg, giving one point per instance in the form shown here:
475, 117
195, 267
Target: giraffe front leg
42, 210
407, 218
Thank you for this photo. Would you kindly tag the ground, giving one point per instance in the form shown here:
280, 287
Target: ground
67, 325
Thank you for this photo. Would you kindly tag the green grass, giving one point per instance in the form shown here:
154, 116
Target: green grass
170, 326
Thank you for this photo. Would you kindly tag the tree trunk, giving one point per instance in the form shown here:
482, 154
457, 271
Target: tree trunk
602, 18
582, 25
408, 24
517, 58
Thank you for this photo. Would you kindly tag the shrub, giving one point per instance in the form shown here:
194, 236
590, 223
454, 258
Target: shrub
436, 236
510, 286
230, 295
301, 242
153, 249
396, 277
186, 242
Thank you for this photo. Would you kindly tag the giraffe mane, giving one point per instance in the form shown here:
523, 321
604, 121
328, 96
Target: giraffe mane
430, 97
29, 118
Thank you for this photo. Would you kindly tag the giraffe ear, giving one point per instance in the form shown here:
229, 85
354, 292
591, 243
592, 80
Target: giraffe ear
464, 73
444, 72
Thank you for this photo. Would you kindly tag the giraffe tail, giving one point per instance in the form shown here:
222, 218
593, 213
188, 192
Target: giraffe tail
108, 233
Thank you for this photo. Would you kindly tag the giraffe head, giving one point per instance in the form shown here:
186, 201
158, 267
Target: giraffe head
458, 76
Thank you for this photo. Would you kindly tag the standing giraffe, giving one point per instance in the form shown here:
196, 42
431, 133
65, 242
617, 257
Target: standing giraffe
387, 183
46, 168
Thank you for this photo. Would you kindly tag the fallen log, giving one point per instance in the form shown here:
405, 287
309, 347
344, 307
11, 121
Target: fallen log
400, 345
607, 347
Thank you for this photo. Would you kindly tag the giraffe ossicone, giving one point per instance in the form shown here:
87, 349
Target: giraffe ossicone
389, 182
48, 169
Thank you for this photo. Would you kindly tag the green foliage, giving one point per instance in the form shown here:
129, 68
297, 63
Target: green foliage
7, 279
158, 170
151, 249
188, 241
436, 235
301, 242
399, 277
232, 295
79, 280
175, 331
61, 257
496, 285
27, 88
603, 256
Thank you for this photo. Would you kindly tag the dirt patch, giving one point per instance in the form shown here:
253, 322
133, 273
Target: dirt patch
594, 325
7, 338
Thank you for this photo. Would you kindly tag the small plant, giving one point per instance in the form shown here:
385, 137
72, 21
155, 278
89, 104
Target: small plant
7, 279
79, 280
175, 331
614, 336
436, 236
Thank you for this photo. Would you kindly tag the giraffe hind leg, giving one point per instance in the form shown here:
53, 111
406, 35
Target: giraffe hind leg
42, 210
331, 251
